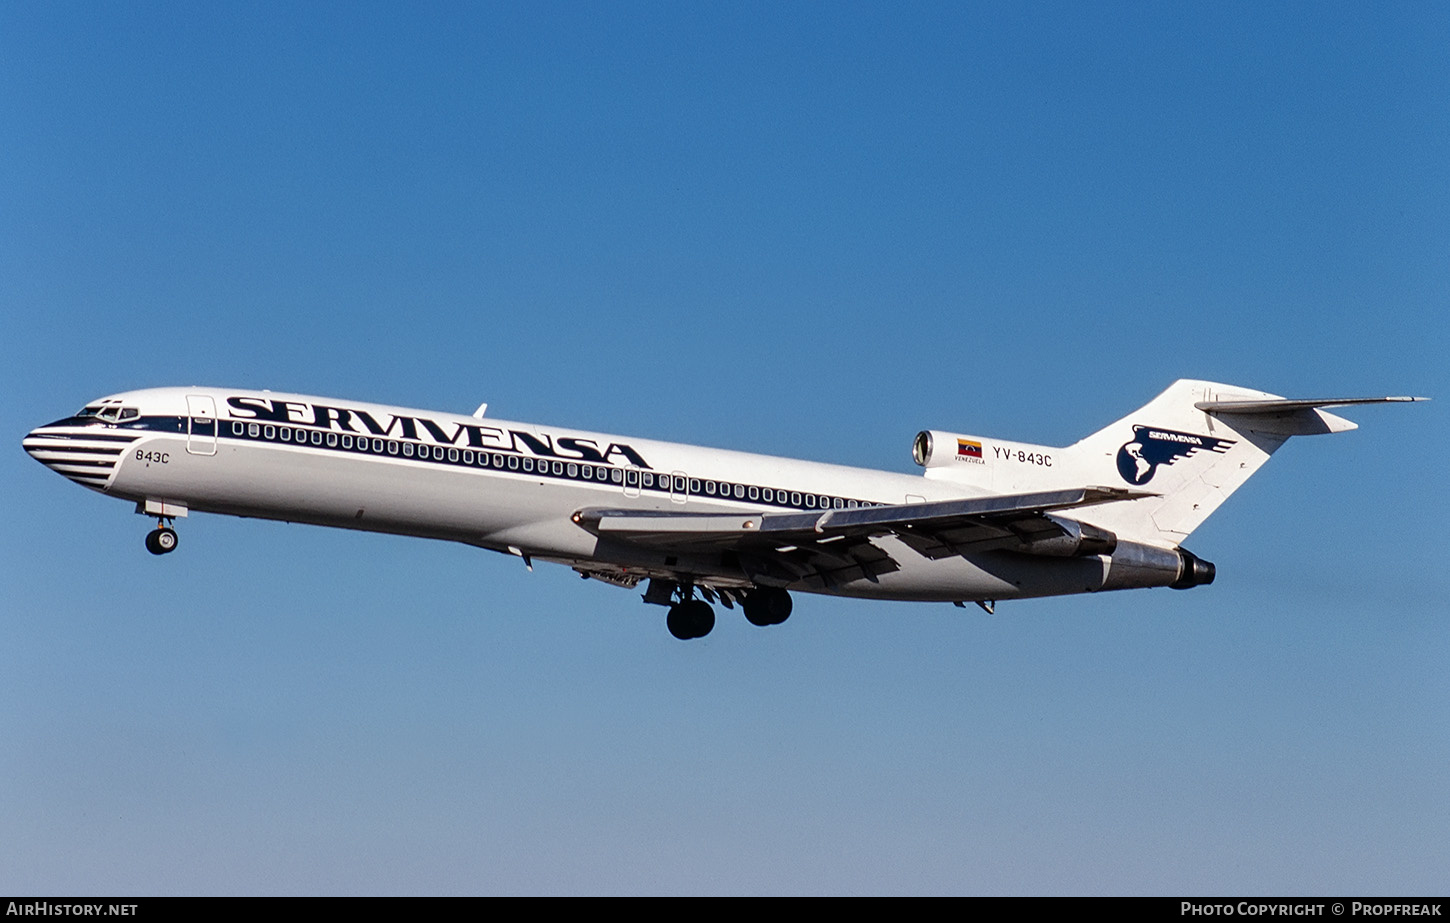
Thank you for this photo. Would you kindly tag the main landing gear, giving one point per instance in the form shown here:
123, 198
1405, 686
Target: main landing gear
694, 618
161, 540
766, 605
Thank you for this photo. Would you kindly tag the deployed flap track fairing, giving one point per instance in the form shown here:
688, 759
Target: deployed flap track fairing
990, 519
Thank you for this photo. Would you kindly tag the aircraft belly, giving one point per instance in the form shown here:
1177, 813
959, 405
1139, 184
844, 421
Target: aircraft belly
361, 492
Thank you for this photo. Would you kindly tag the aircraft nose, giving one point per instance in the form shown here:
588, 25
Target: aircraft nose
80, 453
34, 444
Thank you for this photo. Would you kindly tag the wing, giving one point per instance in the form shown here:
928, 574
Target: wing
834, 546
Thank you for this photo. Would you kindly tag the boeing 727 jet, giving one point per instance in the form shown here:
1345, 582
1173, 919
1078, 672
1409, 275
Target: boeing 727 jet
989, 519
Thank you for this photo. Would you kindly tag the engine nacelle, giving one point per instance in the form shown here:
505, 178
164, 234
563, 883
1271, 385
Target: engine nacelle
1196, 572
936, 449
1134, 565
991, 463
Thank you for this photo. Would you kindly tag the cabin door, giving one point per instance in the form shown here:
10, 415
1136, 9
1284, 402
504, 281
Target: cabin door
201, 424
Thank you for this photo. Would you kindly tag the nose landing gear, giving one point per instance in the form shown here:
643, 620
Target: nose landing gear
162, 539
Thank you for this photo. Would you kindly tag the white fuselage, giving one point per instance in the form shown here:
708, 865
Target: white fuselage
505, 486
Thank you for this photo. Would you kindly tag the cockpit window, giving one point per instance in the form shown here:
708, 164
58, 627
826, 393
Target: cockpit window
109, 413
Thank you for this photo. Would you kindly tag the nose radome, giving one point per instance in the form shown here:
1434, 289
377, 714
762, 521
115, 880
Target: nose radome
34, 443
81, 453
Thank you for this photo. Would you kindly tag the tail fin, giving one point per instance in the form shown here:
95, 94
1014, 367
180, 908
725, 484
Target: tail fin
1194, 445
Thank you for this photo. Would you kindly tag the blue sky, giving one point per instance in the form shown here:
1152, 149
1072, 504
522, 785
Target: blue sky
804, 229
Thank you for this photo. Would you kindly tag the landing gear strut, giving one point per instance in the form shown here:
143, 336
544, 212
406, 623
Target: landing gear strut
161, 540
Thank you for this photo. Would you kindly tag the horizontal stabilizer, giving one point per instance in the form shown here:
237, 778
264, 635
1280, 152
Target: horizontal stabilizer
1282, 405
1285, 417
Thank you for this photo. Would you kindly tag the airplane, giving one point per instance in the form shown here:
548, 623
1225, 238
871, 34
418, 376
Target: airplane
987, 520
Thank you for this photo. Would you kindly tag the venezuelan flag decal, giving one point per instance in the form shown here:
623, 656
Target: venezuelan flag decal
966, 448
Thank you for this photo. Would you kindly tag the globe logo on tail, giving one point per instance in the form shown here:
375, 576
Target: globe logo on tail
1138, 459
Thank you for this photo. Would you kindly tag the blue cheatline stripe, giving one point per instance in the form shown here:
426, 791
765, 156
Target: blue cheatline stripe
513, 463
72, 449
81, 436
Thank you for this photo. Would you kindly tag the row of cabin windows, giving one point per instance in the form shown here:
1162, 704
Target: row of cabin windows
628, 477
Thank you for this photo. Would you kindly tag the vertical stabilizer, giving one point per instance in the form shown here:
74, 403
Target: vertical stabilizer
1193, 459
1193, 445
